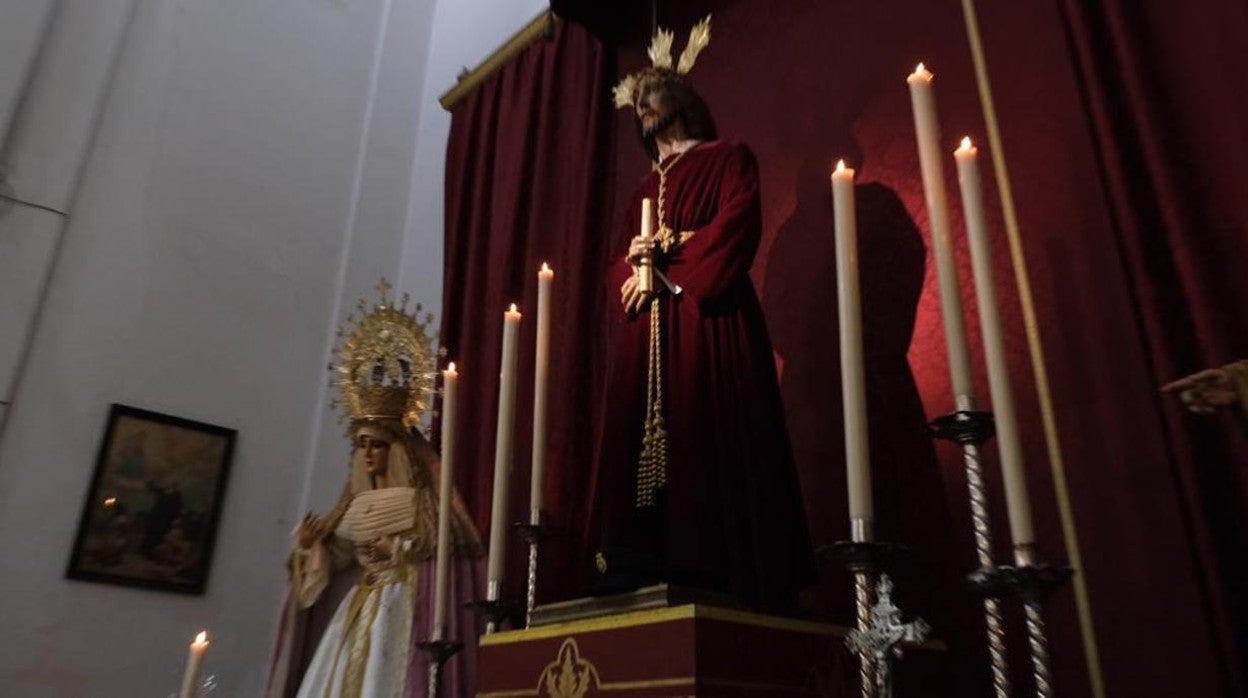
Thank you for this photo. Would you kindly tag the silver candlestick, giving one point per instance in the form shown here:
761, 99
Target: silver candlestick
883, 636
970, 430
1032, 583
438, 651
533, 534
865, 559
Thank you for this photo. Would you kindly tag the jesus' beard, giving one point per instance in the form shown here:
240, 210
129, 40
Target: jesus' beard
661, 125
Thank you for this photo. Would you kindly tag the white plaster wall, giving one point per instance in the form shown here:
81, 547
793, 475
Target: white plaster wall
214, 231
256, 166
21, 32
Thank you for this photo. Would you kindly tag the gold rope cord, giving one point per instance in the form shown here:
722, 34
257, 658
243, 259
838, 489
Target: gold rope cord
652, 465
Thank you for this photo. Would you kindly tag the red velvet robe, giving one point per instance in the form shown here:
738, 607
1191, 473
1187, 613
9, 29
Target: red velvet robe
733, 517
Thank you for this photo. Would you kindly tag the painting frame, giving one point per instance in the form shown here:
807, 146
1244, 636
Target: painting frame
151, 514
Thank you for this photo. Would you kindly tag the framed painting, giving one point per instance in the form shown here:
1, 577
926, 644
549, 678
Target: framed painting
151, 515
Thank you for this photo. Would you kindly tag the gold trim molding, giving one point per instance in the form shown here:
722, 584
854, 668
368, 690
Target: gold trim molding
541, 28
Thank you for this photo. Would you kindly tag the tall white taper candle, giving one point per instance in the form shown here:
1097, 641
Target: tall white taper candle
645, 270
853, 377
927, 132
442, 572
541, 380
194, 665
1017, 502
502, 454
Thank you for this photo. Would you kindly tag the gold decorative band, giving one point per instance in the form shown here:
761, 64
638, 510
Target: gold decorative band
540, 28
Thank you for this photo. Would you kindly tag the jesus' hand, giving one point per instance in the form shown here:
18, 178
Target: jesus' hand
632, 297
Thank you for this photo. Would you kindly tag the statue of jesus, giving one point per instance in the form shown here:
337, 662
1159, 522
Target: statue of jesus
694, 481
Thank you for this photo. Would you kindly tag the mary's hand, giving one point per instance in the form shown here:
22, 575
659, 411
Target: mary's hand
380, 549
309, 530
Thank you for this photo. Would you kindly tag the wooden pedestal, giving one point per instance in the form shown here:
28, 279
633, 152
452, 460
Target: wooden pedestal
686, 650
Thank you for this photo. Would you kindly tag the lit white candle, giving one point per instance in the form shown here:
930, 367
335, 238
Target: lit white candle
194, 664
442, 572
645, 268
502, 454
1017, 502
853, 377
927, 132
541, 377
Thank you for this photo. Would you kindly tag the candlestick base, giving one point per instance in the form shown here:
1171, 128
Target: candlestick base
1027, 581
1031, 583
864, 556
965, 427
492, 611
533, 534
972, 429
437, 652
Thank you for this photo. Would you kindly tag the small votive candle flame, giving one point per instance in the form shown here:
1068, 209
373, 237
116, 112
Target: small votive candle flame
194, 663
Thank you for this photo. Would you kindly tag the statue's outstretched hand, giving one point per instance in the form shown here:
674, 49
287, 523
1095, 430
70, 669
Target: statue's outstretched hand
309, 530
1205, 392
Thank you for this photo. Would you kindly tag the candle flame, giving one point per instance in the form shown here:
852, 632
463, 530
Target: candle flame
451, 367
545, 267
966, 143
513, 308
920, 69
110, 501
840, 165
202, 638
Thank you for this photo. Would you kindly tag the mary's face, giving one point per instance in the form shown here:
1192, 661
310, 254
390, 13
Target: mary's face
376, 453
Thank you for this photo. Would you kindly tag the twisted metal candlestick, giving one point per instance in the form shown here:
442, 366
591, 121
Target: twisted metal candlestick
1033, 583
867, 667
533, 534
438, 651
1039, 644
970, 430
865, 559
883, 637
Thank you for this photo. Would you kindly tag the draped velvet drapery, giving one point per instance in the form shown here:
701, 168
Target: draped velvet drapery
1123, 127
525, 162
1167, 107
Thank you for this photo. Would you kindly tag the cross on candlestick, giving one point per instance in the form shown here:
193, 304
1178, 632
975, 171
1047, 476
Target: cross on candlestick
883, 638
383, 287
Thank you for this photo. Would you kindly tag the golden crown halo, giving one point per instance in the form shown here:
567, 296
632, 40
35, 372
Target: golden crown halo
386, 362
660, 53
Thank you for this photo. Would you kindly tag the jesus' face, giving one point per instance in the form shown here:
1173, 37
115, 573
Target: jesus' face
654, 108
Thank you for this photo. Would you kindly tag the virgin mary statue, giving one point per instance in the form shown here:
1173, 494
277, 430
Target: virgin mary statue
384, 527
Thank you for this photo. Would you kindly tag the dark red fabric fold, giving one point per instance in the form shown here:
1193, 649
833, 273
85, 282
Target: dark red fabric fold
525, 157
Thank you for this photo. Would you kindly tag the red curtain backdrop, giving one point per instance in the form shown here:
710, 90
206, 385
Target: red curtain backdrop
524, 168
806, 82
1167, 109
1123, 129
